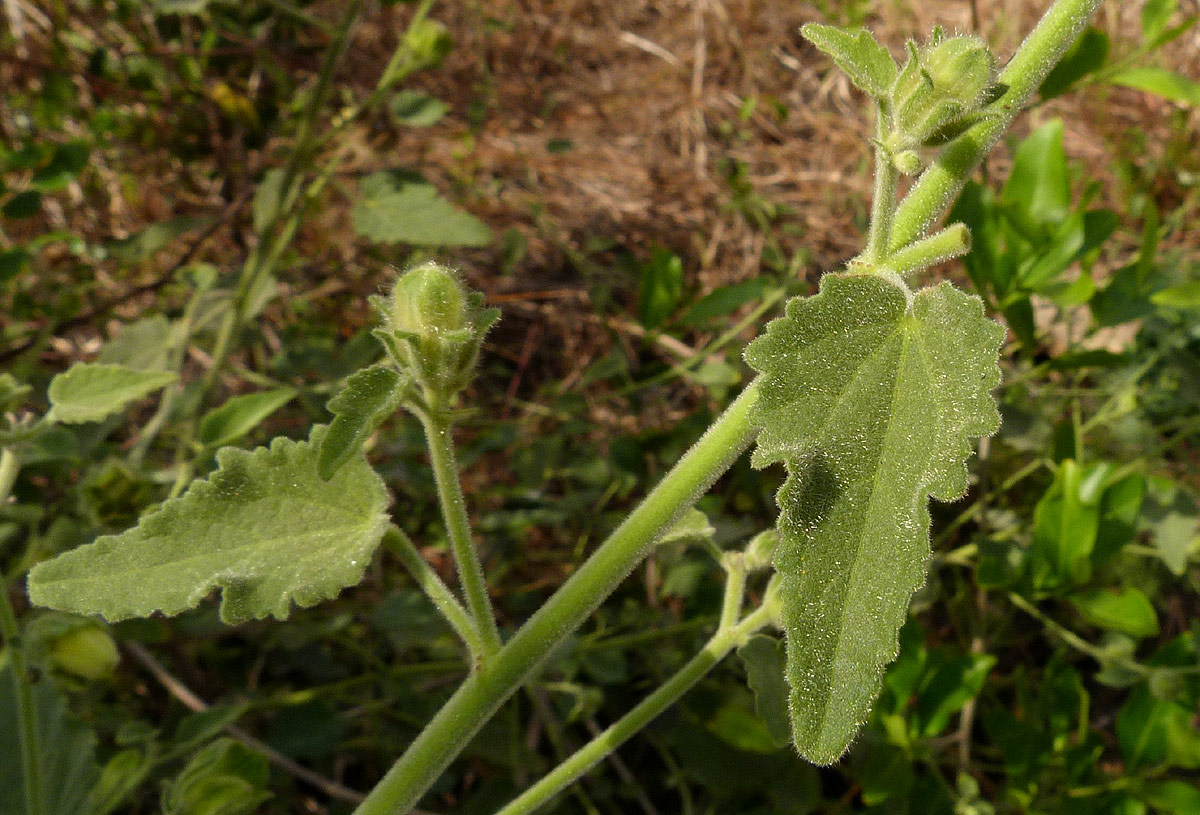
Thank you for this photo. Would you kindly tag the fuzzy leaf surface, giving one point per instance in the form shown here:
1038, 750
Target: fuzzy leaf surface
867, 63
871, 396
264, 528
370, 396
89, 391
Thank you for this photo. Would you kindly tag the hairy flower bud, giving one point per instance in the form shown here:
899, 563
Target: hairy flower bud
432, 329
429, 299
908, 162
944, 84
962, 70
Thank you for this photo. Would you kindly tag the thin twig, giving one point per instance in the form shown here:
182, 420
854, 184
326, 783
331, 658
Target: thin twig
188, 698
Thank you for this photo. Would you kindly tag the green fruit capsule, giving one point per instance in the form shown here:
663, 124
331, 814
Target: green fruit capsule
87, 652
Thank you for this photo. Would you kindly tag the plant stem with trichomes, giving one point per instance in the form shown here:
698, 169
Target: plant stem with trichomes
482, 693
437, 591
726, 638
458, 529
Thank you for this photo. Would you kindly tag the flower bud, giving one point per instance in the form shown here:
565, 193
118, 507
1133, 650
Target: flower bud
942, 84
761, 550
87, 652
962, 69
429, 300
907, 162
433, 329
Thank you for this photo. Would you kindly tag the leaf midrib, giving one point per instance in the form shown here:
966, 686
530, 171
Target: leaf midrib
198, 557
906, 339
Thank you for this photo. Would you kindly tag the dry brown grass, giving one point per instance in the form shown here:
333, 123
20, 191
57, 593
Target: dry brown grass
647, 94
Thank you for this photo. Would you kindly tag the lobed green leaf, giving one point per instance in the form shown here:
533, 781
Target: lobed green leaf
871, 395
264, 528
867, 63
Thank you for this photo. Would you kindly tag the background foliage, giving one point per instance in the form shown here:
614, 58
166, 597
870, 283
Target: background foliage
637, 189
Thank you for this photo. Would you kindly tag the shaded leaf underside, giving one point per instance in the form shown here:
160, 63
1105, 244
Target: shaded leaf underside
264, 528
871, 396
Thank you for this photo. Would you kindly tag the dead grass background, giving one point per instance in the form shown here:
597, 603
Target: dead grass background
647, 94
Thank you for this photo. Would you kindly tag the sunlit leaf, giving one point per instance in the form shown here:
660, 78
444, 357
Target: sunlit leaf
241, 414
871, 395
865, 61
1160, 82
1127, 610
401, 207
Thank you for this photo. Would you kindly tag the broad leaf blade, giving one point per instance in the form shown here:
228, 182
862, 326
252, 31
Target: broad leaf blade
865, 61
1160, 82
143, 345
369, 397
401, 207
871, 396
89, 392
1037, 195
264, 528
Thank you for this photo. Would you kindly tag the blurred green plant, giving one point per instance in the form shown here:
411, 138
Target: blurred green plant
871, 393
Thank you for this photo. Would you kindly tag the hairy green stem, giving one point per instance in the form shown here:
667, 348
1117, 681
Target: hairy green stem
1024, 73
883, 202
458, 528
448, 733
952, 242
717, 648
735, 589
27, 723
437, 591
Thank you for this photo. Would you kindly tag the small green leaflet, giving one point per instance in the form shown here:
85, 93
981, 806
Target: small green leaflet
871, 395
241, 414
89, 391
264, 528
369, 397
867, 63
763, 658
